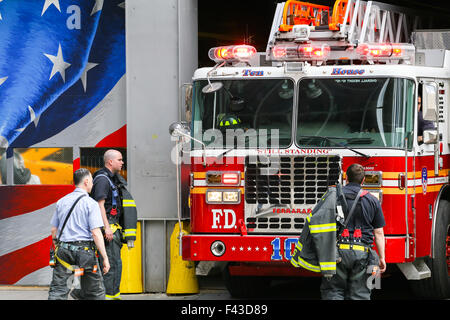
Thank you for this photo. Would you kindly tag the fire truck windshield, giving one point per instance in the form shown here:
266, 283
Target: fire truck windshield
355, 112
255, 113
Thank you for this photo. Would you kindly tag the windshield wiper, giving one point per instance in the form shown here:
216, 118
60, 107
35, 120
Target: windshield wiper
359, 140
330, 139
224, 153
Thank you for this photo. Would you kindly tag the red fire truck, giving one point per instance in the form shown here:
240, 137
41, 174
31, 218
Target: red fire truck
269, 132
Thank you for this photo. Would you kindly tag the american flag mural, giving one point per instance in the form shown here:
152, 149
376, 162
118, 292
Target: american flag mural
62, 83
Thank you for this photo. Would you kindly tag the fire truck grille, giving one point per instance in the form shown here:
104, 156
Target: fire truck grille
278, 189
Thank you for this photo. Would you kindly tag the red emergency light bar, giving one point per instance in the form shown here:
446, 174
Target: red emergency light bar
231, 53
322, 52
294, 52
385, 51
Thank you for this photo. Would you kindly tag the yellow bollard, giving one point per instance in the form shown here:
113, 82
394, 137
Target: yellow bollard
182, 278
132, 266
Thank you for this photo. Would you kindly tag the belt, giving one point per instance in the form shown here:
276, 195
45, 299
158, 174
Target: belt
350, 246
77, 245
74, 247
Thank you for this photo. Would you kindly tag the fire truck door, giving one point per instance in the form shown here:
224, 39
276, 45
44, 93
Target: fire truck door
425, 176
425, 194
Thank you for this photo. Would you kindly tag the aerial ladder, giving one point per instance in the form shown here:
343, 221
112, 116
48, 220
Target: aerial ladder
351, 30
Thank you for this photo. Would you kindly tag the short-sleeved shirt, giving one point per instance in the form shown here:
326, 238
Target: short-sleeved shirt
102, 190
84, 218
369, 217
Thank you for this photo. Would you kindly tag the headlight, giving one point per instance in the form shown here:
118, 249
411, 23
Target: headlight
223, 196
231, 196
213, 196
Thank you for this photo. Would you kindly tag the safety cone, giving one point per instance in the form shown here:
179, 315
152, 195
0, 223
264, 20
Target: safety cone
182, 278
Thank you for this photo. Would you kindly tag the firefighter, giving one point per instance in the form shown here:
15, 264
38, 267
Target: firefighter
76, 235
354, 244
421, 123
119, 216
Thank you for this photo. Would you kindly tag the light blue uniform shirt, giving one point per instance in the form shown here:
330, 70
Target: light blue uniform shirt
85, 217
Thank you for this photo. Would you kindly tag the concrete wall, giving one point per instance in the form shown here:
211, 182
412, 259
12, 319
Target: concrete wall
161, 55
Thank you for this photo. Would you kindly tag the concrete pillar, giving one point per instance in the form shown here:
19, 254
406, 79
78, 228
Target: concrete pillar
161, 55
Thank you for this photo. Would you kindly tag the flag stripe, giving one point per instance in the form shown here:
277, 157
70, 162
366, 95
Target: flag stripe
21, 199
16, 265
117, 139
23, 230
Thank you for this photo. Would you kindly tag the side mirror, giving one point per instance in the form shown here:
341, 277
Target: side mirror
212, 87
430, 136
429, 101
181, 129
178, 129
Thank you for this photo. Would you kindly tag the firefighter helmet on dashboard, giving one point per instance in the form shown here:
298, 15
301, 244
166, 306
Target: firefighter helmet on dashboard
229, 121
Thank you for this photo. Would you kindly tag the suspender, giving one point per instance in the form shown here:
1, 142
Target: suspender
352, 210
115, 192
358, 197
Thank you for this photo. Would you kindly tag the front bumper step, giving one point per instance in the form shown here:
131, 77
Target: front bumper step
238, 248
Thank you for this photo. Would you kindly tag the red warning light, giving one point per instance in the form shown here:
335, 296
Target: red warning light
232, 53
301, 52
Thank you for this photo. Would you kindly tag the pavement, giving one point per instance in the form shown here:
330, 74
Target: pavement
41, 293
211, 288
286, 298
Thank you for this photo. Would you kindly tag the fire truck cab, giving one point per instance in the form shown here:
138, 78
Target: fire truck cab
269, 132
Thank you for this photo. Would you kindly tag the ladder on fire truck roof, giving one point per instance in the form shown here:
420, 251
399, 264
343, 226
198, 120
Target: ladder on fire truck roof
351, 22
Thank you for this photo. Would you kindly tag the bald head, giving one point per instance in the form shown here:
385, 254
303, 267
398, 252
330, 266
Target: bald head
113, 160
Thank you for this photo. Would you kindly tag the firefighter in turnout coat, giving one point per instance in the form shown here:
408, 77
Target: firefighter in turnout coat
316, 248
119, 215
358, 262
343, 258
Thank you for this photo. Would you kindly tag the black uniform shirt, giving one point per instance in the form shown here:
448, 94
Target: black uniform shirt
103, 191
423, 124
368, 214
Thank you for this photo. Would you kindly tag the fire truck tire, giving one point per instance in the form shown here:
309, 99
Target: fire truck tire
438, 285
245, 286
